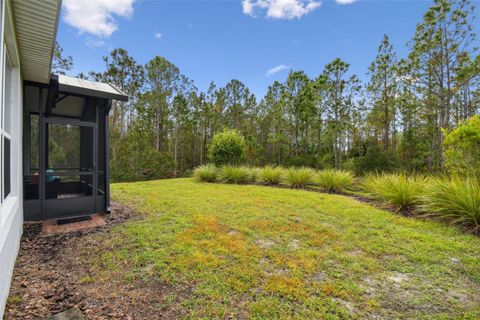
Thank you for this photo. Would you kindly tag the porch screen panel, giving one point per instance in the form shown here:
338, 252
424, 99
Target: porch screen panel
69, 172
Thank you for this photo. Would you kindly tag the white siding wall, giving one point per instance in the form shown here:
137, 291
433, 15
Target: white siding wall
11, 208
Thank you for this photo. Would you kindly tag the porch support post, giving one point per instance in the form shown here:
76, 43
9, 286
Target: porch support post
107, 157
42, 137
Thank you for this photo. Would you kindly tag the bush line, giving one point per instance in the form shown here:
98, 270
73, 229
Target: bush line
452, 200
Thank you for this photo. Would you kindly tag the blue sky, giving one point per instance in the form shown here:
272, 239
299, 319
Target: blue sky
224, 40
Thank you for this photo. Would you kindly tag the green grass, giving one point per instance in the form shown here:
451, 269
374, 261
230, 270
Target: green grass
205, 173
254, 174
254, 252
14, 299
234, 174
334, 181
270, 175
455, 201
395, 190
298, 178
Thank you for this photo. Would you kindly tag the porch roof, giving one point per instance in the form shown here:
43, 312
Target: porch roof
89, 88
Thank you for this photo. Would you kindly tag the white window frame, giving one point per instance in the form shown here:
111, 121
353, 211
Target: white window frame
2, 116
9, 207
7, 204
5, 60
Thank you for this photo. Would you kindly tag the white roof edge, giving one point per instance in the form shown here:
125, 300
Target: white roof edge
87, 87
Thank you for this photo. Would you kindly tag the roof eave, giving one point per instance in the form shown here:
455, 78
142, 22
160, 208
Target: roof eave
36, 64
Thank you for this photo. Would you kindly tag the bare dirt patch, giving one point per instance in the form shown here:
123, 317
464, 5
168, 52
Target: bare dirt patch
265, 243
53, 273
398, 277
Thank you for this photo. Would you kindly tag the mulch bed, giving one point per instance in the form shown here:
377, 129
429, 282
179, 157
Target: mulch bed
52, 275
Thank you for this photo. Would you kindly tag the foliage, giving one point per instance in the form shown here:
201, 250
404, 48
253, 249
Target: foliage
60, 63
217, 242
334, 181
339, 98
299, 178
206, 173
394, 121
397, 190
373, 158
136, 159
462, 149
270, 175
227, 148
234, 174
254, 174
383, 91
456, 201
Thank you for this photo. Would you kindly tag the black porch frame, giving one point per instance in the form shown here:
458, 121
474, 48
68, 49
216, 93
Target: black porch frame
91, 191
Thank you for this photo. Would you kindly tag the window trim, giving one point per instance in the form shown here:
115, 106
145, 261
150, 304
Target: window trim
2, 115
4, 60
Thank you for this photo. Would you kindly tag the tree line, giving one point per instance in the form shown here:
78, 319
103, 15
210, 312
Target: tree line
395, 120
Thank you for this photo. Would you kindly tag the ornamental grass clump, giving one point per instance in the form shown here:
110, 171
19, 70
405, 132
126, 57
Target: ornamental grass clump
334, 181
453, 200
254, 174
270, 175
206, 173
234, 175
299, 178
395, 190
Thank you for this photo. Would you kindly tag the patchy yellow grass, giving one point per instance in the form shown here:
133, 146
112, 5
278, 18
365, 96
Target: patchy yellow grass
284, 286
262, 253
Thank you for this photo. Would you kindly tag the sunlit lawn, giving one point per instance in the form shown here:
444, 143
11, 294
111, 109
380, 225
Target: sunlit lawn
262, 252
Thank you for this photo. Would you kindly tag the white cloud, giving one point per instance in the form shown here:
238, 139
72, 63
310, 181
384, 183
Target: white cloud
96, 43
247, 7
345, 1
276, 69
96, 17
280, 9
157, 35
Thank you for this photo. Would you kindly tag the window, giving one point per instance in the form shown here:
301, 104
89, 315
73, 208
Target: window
5, 125
6, 167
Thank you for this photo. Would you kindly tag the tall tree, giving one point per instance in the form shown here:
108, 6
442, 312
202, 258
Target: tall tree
382, 88
439, 46
299, 96
340, 92
60, 63
163, 83
126, 74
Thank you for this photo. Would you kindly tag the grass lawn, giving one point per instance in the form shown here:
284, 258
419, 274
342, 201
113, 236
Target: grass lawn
262, 253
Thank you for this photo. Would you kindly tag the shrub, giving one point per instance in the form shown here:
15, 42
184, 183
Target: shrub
254, 174
461, 149
299, 177
334, 181
456, 201
234, 174
206, 173
270, 175
396, 190
227, 148
373, 159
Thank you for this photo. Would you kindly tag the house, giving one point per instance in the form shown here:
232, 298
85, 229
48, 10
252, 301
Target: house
53, 131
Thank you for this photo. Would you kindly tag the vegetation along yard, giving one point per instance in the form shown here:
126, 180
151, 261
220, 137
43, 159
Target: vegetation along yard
258, 252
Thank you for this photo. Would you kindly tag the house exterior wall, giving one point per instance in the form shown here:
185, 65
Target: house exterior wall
11, 196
